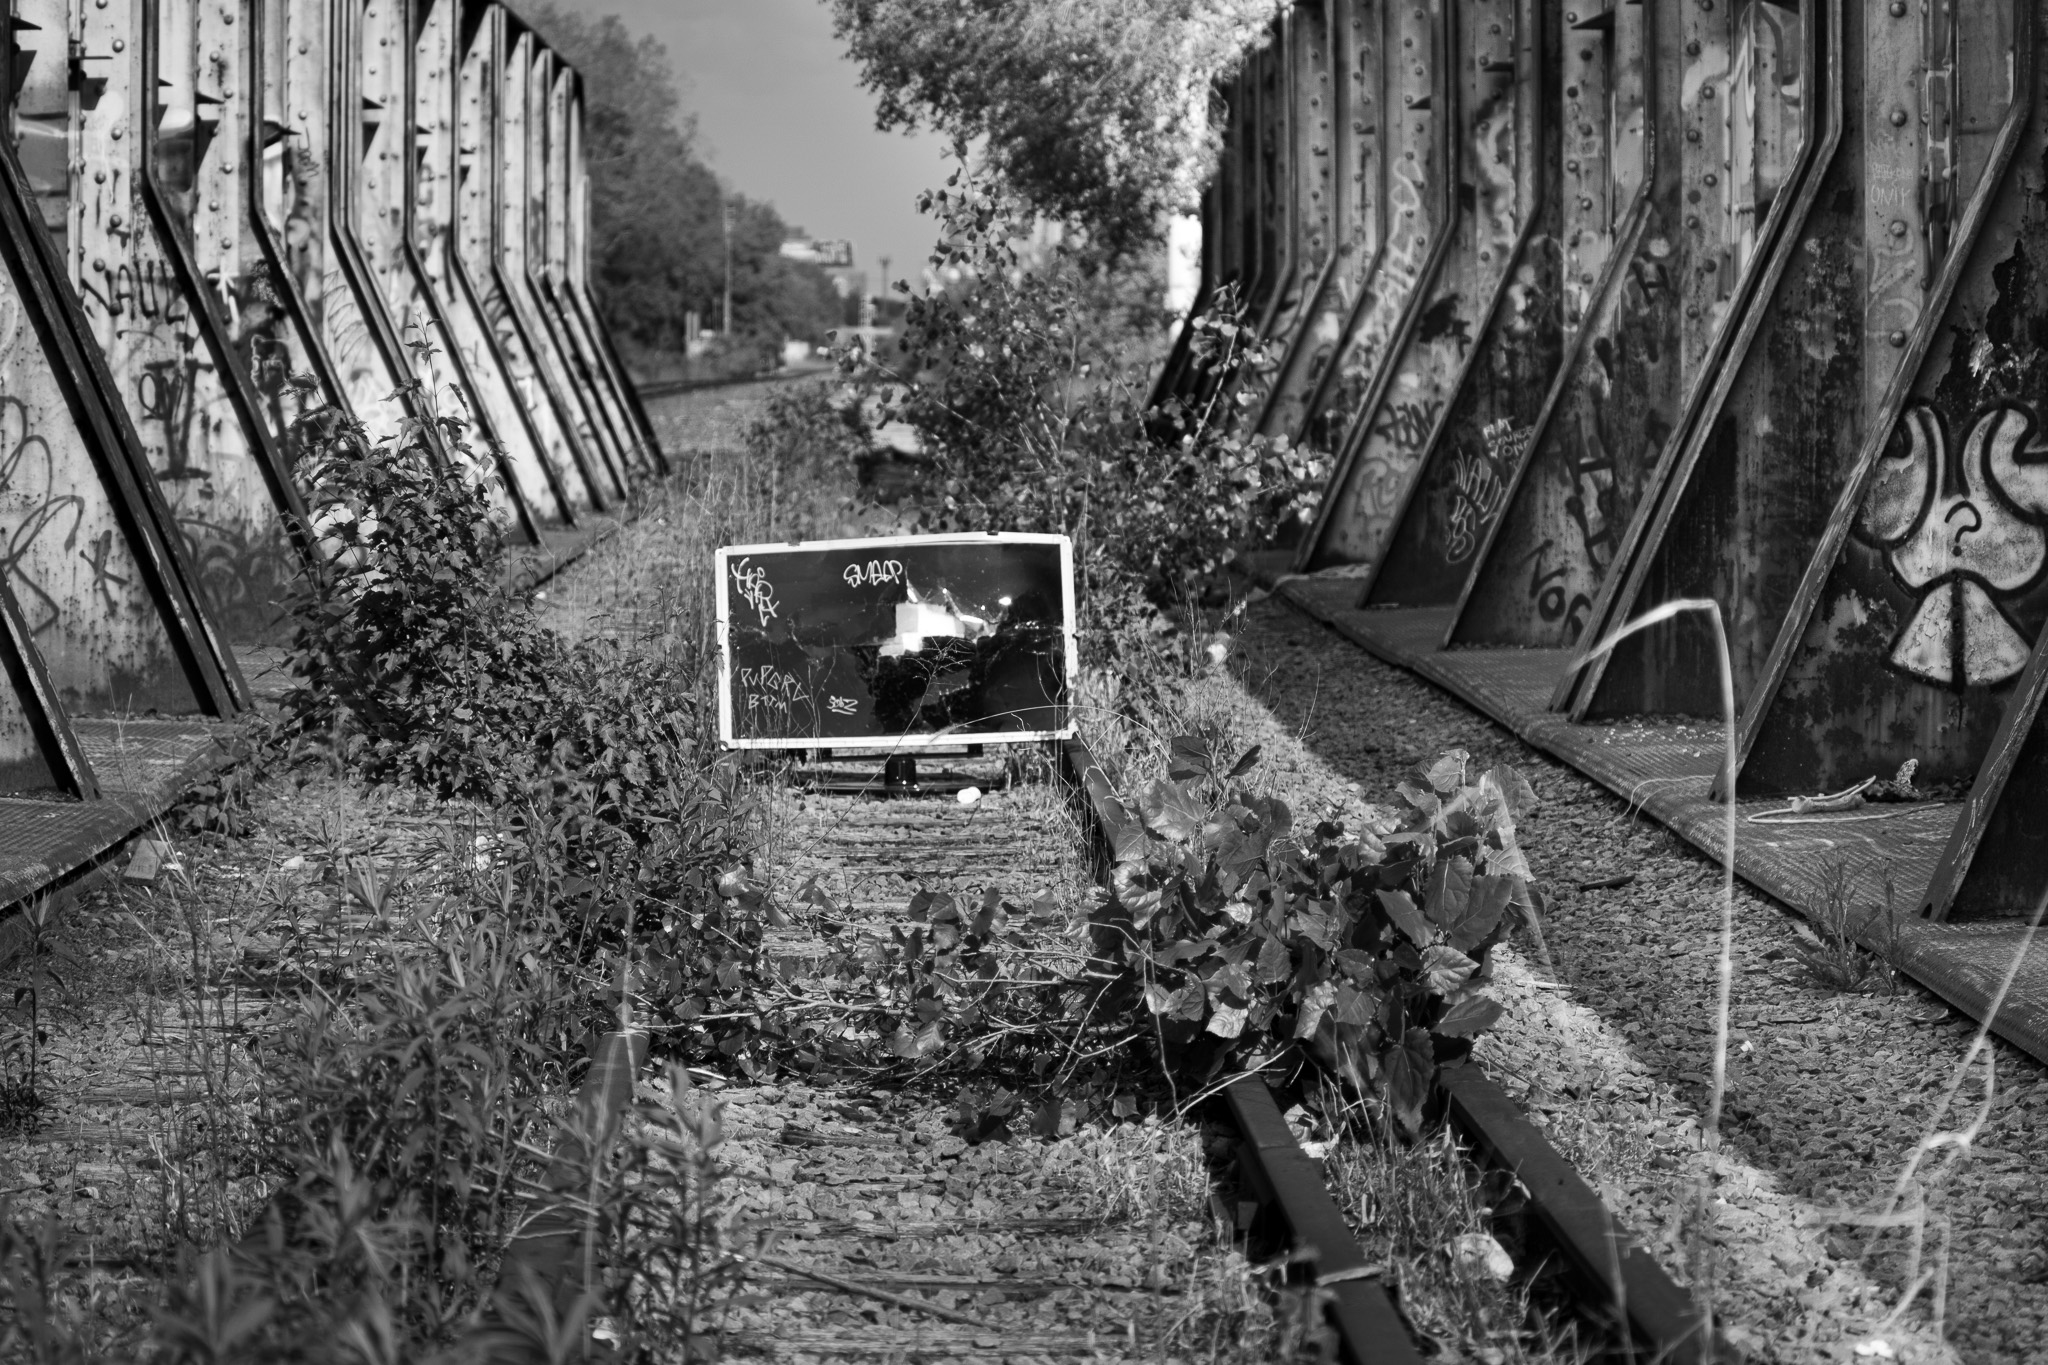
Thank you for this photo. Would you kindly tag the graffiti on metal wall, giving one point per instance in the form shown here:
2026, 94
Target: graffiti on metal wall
1388, 293
1962, 532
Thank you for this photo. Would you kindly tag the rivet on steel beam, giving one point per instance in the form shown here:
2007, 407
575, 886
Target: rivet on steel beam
1486, 255
1898, 118
1707, 91
1571, 16
117, 133
99, 263
1692, 135
1692, 310
1898, 9
99, 177
1713, 179
1692, 47
1571, 92
1572, 166
120, 46
1898, 338
1585, 201
1898, 227
115, 222
1692, 220
302, 45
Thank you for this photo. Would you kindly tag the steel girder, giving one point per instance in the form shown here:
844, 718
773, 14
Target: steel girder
214, 220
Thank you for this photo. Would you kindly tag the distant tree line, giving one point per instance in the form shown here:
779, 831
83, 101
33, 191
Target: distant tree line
657, 238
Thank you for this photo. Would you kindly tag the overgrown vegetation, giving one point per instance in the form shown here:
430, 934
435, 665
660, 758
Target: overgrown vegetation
1094, 115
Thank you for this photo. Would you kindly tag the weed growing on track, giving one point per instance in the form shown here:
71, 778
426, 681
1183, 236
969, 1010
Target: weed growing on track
1836, 958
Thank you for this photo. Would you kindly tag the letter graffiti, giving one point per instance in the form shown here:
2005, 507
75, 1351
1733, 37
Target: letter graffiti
750, 581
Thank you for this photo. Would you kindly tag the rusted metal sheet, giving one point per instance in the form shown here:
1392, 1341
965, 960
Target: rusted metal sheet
1652, 338
1585, 157
1280, 186
1420, 200
518, 157
1736, 516
38, 751
1350, 174
1493, 106
475, 262
1926, 593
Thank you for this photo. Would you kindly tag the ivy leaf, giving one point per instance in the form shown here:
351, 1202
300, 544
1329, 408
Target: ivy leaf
1189, 1002
1170, 810
1233, 979
1473, 1015
1401, 910
1483, 909
1446, 969
1447, 774
1156, 997
1408, 1068
1189, 756
1227, 1021
1246, 761
903, 1043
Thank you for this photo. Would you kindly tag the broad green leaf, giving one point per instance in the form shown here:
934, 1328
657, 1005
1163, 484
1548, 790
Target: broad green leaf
1156, 997
1275, 963
1446, 969
1514, 789
1351, 1006
1314, 921
1483, 909
1450, 891
1170, 810
1447, 774
1227, 1021
1408, 1067
1315, 1002
1473, 1015
1246, 761
1401, 910
1189, 756
1234, 979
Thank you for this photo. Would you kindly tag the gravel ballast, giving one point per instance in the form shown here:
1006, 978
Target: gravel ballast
1609, 1044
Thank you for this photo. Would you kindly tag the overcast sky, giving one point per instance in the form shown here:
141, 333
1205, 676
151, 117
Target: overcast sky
781, 116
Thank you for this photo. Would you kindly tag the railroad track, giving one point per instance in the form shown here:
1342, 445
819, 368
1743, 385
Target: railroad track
893, 1234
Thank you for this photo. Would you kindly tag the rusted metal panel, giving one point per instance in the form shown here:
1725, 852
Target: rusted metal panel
1421, 199
1355, 58
1280, 187
1736, 516
1308, 186
1457, 491
1494, 102
1927, 591
1654, 338
517, 158
475, 260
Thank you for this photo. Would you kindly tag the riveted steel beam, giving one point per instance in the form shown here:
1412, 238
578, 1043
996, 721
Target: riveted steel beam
622, 435
1421, 203
1494, 108
475, 265
1350, 173
1926, 593
1737, 514
1656, 336
576, 280
521, 148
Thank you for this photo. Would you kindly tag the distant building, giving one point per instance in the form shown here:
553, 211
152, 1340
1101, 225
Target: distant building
836, 254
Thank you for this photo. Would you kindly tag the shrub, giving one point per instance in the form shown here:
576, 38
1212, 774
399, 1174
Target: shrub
1366, 948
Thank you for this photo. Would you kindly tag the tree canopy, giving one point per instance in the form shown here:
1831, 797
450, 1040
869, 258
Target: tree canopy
657, 236
1093, 111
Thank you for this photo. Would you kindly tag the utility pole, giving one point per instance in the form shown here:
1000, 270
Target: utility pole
728, 216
